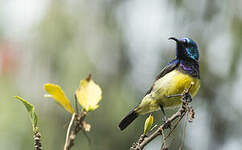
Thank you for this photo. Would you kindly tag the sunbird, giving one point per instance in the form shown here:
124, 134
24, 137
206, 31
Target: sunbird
174, 78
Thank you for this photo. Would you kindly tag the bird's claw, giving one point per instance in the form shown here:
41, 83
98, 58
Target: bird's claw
186, 97
166, 123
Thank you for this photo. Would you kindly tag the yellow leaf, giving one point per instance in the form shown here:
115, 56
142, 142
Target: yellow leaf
89, 94
57, 93
148, 123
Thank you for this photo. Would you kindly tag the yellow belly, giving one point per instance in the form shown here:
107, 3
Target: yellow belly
172, 83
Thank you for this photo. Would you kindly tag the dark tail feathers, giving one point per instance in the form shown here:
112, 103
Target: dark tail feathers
127, 120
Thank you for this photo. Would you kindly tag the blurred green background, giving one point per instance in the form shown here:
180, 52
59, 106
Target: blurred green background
123, 44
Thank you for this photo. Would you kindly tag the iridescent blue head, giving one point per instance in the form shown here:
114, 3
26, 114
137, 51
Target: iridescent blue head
186, 49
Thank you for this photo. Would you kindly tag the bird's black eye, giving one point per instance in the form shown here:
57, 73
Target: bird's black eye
185, 42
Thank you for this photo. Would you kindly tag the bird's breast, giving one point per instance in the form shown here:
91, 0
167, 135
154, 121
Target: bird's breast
173, 83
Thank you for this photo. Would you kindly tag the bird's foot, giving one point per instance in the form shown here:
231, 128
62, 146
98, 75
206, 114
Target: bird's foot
166, 123
164, 119
186, 98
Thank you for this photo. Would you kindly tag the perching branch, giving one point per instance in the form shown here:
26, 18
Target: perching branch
185, 108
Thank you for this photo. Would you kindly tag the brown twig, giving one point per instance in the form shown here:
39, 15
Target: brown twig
78, 125
186, 99
179, 114
37, 143
163, 145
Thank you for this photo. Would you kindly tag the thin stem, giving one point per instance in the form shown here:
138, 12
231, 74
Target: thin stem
78, 121
184, 130
68, 130
163, 145
174, 127
76, 104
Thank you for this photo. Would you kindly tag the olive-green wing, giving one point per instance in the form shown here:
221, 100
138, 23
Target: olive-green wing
168, 68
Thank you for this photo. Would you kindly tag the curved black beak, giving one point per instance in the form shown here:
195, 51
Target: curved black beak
179, 46
173, 38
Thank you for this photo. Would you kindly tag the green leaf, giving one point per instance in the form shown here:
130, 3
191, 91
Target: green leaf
30, 109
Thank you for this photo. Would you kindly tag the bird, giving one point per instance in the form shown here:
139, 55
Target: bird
174, 78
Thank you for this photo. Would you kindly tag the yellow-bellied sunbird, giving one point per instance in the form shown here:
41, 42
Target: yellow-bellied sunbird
173, 79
